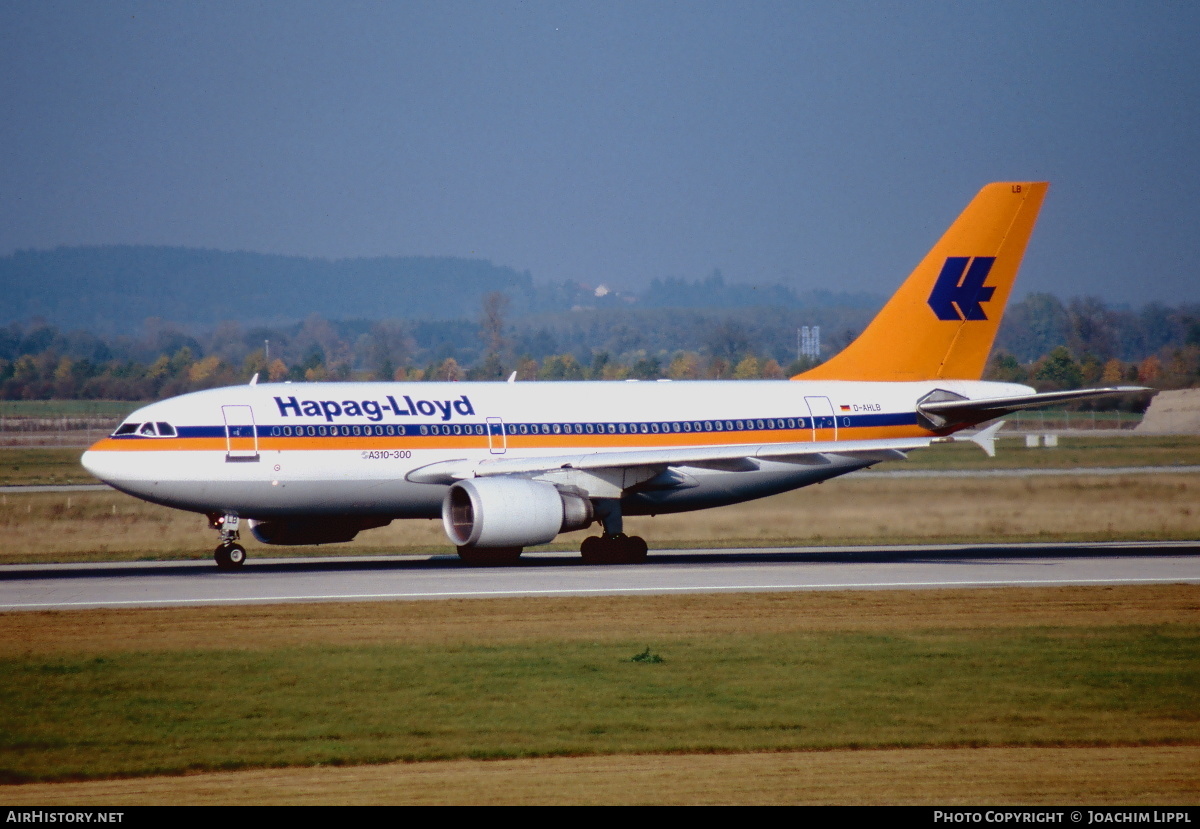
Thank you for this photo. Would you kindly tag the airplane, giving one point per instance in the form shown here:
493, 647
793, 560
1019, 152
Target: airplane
512, 465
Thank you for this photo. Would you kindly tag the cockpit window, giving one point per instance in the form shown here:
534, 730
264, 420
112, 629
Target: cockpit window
163, 430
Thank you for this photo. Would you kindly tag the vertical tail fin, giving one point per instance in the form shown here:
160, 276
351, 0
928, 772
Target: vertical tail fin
943, 320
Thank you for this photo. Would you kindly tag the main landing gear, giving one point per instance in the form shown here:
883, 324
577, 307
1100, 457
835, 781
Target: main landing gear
613, 549
613, 546
229, 555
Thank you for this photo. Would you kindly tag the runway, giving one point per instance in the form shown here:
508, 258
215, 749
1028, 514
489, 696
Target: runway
390, 578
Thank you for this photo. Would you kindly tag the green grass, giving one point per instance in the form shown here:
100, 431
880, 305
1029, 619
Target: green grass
134, 713
1034, 420
42, 466
1072, 452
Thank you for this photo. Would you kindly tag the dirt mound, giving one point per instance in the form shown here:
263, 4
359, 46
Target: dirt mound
1172, 413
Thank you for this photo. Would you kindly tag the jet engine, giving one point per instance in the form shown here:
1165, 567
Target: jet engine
313, 529
512, 512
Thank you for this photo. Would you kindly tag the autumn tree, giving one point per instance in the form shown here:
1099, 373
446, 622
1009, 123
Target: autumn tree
491, 331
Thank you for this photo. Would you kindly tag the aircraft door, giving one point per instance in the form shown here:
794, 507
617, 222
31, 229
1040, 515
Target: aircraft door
824, 421
497, 439
241, 436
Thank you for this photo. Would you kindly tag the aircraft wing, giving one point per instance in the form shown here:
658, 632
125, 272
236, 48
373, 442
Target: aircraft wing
730, 458
950, 412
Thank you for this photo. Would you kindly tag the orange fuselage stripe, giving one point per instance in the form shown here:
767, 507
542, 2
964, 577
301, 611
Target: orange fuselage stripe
512, 442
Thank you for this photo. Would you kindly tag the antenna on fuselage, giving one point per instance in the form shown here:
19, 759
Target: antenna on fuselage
254, 379
512, 378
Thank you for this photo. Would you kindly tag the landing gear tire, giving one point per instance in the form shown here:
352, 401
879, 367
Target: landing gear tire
230, 556
613, 549
490, 556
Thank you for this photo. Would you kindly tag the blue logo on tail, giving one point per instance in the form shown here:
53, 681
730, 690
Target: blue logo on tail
958, 297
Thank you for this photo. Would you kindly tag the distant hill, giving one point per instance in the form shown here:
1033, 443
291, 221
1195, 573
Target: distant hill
115, 288
714, 292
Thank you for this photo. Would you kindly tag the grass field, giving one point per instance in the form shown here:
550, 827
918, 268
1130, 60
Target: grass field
1072, 695
116, 693
1118, 776
109, 526
857, 509
1076, 450
42, 466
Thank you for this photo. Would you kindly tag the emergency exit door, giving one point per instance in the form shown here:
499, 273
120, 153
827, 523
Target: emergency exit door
241, 436
824, 421
497, 439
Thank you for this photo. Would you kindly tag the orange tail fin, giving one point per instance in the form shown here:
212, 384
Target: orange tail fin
943, 320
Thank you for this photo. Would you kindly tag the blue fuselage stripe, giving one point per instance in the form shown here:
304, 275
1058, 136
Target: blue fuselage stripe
441, 429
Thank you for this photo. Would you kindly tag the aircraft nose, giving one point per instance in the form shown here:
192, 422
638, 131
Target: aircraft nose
101, 464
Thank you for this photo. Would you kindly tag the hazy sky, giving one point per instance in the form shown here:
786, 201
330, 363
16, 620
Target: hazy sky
816, 144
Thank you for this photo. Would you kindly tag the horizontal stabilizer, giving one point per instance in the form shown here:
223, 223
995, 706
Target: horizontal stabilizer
944, 413
985, 439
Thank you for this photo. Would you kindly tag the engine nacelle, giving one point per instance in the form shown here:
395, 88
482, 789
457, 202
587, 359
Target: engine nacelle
313, 529
512, 512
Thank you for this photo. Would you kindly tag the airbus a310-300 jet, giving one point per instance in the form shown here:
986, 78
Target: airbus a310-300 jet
511, 465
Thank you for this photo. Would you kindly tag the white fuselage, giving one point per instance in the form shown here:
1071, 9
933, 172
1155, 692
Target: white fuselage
342, 449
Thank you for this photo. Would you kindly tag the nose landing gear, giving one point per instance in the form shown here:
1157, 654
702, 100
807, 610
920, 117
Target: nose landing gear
229, 555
